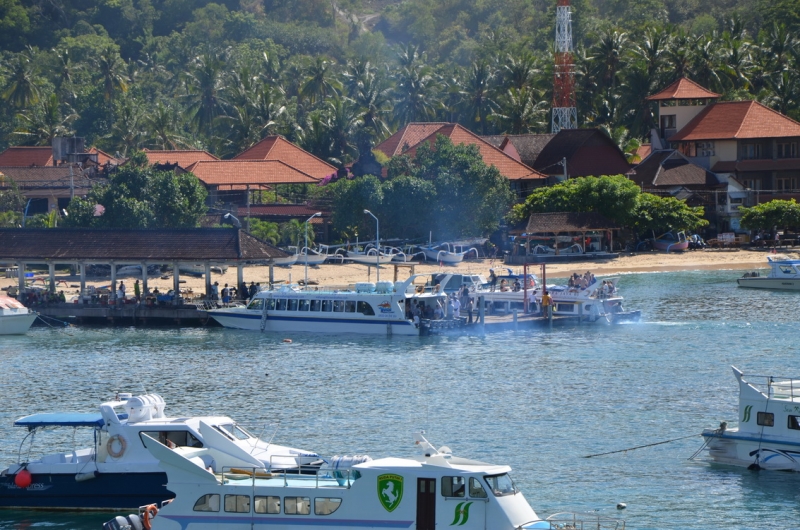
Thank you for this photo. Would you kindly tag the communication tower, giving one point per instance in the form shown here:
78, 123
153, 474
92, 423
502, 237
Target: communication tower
565, 114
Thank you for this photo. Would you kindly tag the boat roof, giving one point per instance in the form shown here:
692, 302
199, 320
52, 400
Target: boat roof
6, 302
70, 419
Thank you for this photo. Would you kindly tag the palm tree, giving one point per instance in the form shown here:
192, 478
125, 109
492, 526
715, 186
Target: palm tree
161, 125
111, 70
607, 59
21, 91
705, 65
651, 49
319, 81
372, 100
45, 121
127, 133
205, 85
521, 111
518, 70
415, 94
477, 95
784, 87
341, 121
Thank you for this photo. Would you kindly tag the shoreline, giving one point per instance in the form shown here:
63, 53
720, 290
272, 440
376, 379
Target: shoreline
342, 276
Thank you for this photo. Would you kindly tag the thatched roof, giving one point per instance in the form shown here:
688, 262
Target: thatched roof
557, 222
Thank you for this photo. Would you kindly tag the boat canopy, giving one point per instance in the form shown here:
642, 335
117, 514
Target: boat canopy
70, 419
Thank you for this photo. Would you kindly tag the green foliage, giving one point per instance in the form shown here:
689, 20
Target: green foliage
616, 198
767, 215
264, 230
141, 197
11, 200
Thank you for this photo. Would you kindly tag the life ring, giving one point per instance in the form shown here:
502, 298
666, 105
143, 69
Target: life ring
150, 511
122, 446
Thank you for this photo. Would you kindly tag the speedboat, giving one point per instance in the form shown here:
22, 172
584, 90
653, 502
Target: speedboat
434, 489
784, 273
372, 308
768, 433
15, 318
115, 471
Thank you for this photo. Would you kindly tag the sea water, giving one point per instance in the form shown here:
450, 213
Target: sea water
540, 401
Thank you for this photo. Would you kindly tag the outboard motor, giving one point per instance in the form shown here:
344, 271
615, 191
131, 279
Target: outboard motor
127, 522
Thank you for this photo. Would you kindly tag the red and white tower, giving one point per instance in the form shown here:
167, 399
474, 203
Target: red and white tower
565, 114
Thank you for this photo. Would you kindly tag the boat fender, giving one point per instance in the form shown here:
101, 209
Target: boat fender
120, 522
23, 478
116, 439
148, 514
83, 477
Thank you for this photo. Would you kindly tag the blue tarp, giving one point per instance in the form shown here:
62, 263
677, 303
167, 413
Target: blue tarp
72, 419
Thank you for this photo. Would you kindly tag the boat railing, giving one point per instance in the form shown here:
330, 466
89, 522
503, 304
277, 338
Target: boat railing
580, 521
344, 477
778, 387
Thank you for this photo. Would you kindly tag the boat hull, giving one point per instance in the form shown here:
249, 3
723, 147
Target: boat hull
786, 284
443, 256
744, 450
108, 491
253, 321
16, 324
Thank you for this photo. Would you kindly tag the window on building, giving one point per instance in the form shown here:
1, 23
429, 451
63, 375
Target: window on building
268, 504
751, 151
207, 503
237, 503
787, 149
668, 121
453, 487
326, 505
753, 184
767, 419
296, 505
785, 183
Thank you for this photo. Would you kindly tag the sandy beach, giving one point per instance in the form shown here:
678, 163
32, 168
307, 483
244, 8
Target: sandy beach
342, 276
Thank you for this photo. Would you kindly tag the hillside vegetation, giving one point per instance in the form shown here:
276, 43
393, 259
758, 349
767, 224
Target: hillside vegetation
338, 76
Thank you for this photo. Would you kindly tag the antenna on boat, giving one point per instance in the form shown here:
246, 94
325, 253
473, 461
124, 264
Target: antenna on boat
277, 424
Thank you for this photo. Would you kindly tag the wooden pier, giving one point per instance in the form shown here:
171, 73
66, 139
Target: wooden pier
125, 315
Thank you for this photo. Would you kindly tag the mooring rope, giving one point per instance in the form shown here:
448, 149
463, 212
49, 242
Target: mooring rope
641, 446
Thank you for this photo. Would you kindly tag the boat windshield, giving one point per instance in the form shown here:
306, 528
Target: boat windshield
234, 431
501, 485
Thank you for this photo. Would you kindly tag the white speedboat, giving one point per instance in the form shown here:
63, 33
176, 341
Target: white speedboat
434, 489
372, 308
783, 274
768, 434
15, 318
115, 470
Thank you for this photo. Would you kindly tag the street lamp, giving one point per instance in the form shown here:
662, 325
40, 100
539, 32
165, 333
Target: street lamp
377, 244
305, 279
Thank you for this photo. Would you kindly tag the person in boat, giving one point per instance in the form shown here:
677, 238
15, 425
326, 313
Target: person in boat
456, 307
503, 285
492, 279
253, 289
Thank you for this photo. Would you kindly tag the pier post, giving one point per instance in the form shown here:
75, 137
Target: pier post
271, 275
176, 284
21, 279
144, 281
550, 316
113, 295
52, 273
208, 280
482, 313
82, 268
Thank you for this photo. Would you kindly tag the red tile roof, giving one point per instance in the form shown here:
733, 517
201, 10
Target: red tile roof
104, 158
279, 148
732, 120
407, 137
785, 164
184, 157
509, 167
683, 88
22, 156
643, 151
248, 172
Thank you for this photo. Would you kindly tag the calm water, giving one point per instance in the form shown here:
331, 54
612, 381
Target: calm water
539, 401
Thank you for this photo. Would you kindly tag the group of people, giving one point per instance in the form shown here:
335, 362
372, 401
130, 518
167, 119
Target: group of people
582, 281
229, 293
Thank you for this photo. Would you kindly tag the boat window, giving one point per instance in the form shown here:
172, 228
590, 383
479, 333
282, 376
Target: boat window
234, 431
327, 305
365, 309
794, 423
207, 503
270, 304
350, 306
256, 303
476, 489
292, 305
565, 308
267, 504
767, 419
237, 503
453, 487
281, 304
787, 269
174, 438
304, 305
501, 485
296, 505
326, 505
338, 306
315, 305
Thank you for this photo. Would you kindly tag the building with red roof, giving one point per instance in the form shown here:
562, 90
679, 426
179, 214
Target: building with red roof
279, 148
183, 158
744, 143
407, 140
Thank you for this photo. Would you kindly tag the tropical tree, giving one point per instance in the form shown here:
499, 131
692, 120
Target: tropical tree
47, 119
264, 230
21, 90
769, 215
205, 85
111, 71
319, 81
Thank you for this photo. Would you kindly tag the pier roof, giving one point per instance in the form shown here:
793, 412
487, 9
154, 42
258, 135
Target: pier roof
160, 245
557, 222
